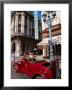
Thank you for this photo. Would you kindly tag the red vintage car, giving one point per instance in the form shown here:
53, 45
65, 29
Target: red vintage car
35, 70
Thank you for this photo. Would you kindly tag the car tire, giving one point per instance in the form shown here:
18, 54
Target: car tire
38, 77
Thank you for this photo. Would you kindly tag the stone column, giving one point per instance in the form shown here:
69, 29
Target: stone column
12, 26
44, 52
22, 23
18, 48
16, 23
28, 25
31, 27
26, 47
12, 50
47, 51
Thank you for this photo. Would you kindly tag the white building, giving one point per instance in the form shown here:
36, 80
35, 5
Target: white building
22, 33
57, 20
56, 34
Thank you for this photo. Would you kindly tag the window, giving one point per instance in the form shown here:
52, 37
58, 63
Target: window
19, 17
19, 23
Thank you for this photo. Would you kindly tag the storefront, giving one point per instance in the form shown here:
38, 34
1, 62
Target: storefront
44, 45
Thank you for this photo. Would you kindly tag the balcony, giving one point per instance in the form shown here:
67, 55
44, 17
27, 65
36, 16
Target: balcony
22, 35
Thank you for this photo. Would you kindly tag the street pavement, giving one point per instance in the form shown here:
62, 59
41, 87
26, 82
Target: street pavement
15, 75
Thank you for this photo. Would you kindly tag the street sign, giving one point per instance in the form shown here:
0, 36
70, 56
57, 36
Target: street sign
36, 24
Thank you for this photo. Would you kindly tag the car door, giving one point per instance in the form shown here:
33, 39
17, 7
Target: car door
27, 69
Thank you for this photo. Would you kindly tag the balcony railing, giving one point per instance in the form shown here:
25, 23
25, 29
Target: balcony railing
21, 35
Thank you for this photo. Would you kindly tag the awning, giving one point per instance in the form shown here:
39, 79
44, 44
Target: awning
55, 39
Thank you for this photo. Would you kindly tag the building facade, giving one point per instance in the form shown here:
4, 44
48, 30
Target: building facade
22, 33
56, 37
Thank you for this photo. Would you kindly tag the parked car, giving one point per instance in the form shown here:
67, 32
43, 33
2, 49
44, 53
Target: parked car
35, 70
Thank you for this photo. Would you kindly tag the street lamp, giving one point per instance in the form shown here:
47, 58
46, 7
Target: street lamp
48, 18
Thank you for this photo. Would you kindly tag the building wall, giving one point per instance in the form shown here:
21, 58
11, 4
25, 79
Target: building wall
22, 33
56, 30
22, 22
57, 20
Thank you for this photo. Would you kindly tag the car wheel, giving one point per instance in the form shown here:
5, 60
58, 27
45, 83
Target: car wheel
38, 77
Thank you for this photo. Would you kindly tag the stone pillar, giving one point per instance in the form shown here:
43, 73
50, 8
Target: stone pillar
31, 27
18, 48
16, 23
12, 26
47, 51
44, 52
25, 48
12, 50
28, 25
22, 23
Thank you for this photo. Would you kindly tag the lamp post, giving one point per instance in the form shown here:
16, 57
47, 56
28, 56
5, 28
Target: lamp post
48, 18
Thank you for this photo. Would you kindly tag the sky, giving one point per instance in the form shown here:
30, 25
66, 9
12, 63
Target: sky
39, 14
